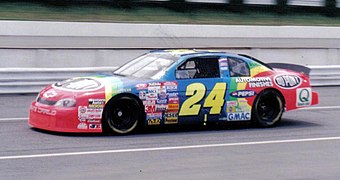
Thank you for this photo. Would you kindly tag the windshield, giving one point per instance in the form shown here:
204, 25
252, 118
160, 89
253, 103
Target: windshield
152, 65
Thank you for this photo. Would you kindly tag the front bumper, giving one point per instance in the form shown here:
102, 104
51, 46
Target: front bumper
59, 119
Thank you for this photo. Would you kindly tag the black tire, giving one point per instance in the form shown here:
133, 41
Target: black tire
267, 109
122, 115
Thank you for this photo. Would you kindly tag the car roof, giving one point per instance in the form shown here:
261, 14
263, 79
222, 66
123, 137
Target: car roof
188, 52
198, 52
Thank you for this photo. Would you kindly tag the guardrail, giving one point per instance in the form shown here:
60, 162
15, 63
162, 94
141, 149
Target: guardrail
325, 75
236, 5
32, 80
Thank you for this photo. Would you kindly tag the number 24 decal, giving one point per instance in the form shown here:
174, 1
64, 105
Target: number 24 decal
196, 91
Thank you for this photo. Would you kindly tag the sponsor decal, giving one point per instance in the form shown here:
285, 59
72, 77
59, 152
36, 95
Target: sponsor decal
154, 118
162, 95
43, 111
223, 62
154, 121
173, 100
96, 103
173, 106
287, 81
161, 107
93, 121
95, 126
170, 86
243, 106
243, 93
224, 68
151, 96
231, 109
153, 89
162, 101
150, 109
149, 102
242, 116
157, 115
303, 97
94, 113
89, 113
231, 106
82, 126
231, 103
78, 84
142, 95
171, 117
173, 95
50, 94
255, 82
116, 91
82, 119
82, 109
155, 84
142, 86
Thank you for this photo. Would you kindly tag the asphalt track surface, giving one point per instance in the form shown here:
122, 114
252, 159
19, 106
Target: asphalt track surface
305, 145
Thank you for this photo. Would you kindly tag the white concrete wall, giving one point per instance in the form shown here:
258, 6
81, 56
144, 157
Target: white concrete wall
74, 44
49, 58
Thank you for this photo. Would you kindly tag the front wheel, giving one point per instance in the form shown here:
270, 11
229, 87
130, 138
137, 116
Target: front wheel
267, 109
122, 115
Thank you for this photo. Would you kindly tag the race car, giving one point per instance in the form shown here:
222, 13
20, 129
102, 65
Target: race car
173, 88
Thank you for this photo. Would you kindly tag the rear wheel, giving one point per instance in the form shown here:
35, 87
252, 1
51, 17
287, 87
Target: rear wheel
122, 115
267, 108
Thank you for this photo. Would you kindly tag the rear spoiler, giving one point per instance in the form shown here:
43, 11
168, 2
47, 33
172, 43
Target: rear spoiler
294, 67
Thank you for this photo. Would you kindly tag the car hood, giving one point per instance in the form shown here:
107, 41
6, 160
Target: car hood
90, 85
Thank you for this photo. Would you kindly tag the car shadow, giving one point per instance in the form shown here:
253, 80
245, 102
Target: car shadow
293, 123
284, 124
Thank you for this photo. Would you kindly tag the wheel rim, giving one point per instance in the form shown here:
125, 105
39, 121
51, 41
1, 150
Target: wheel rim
123, 119
268, 108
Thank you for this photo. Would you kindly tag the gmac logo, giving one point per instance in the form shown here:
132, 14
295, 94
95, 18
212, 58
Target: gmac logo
303, 97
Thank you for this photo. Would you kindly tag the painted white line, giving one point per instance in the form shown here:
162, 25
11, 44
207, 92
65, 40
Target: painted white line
167, 148
320, 108
13, 119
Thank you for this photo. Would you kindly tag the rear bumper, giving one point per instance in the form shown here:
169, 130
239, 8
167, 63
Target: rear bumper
315, 98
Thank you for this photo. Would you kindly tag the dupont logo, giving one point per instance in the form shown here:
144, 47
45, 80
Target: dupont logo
287, 81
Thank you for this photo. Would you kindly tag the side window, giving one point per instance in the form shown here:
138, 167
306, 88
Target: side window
238, 67
199, 67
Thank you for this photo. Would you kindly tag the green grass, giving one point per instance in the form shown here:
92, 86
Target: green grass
96, 13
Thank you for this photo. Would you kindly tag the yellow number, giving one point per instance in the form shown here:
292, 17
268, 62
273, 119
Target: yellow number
215, 99
196, 91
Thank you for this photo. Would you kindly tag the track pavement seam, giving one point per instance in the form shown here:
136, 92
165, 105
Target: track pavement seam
168, 148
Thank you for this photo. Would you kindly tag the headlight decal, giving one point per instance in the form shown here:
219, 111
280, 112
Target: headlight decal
67, 102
